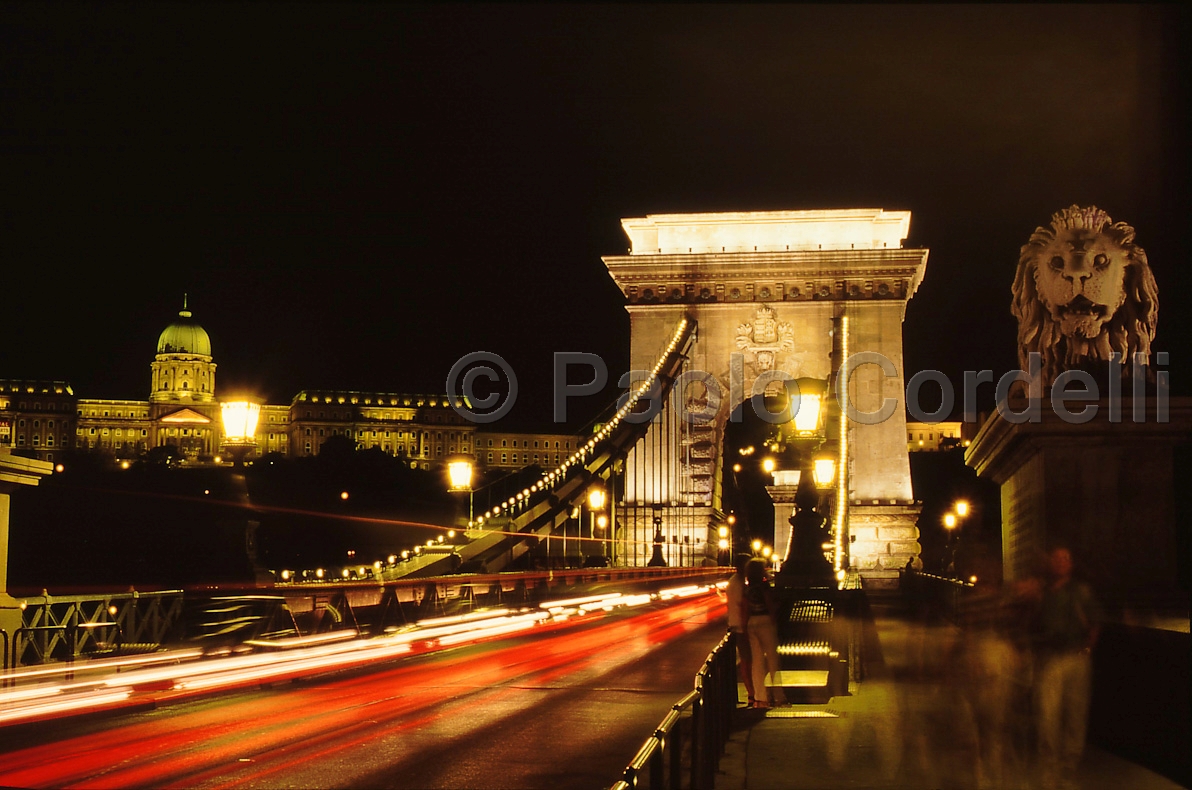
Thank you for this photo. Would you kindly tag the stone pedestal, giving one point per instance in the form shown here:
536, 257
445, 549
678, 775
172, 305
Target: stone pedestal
1106, 489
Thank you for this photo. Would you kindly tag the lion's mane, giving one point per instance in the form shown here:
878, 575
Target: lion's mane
1130, 330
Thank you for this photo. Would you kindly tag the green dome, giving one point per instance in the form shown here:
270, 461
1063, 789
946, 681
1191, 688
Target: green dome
184, 336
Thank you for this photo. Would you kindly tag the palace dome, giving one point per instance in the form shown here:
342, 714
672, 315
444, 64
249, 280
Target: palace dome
184, 336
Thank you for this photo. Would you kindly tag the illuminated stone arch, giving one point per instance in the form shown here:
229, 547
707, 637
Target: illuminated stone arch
771, 293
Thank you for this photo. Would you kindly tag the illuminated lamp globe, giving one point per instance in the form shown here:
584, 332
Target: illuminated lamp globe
807, 399
824, 471
240, 418
459, 473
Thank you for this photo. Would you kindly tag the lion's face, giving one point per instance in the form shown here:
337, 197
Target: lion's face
1080, 279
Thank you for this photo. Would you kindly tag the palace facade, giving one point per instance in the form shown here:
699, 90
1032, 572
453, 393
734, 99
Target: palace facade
44, 419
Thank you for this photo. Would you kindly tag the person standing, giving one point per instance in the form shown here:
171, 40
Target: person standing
762, 627
738, 614
1066, 625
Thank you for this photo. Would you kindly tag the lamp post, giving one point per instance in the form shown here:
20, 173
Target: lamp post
806, 563
596, 499
240, 419
459, 472
952, 521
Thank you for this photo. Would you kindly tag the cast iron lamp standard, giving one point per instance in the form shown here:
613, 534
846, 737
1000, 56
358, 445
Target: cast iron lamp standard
240, 419
596, 499
799, 443
459, 475
952, 520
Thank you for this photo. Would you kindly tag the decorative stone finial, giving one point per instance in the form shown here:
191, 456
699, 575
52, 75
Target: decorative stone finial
184, 312
1083, 291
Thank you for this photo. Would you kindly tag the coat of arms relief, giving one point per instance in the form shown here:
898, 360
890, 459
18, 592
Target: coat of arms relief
769, 344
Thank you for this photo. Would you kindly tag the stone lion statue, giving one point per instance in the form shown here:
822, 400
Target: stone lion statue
1083, 290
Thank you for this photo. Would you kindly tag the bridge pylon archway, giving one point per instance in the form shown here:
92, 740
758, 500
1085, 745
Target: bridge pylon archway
775, 295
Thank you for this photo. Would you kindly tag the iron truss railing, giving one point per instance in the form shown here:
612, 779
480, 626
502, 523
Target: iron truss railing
372, 608
68, 627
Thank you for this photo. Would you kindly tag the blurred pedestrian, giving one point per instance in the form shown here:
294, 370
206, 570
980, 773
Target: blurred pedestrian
990, 667
1066, 624
762, 627
738, 615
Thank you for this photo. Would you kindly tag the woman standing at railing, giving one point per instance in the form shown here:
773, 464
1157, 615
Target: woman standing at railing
762, 627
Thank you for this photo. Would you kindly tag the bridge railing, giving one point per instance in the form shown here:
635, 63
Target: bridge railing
68, 627
931, 596
699, 737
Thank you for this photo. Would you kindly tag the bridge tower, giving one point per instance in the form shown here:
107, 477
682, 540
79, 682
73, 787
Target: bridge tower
767, 290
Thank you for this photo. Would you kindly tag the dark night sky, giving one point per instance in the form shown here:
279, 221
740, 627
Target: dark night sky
354, 196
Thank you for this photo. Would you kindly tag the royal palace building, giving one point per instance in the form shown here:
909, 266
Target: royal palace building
44, 419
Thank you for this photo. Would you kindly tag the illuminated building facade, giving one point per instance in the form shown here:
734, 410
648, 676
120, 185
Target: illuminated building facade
45, 418
930, 437
515, 450
37, 416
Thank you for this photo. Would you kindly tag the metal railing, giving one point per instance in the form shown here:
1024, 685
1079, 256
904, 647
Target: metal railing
699, 737
67, 627
935, 596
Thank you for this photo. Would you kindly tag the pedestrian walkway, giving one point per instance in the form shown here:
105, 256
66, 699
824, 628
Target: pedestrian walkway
906, 725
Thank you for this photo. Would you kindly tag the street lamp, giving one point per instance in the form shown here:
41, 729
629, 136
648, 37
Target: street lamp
824, 472
806, 563
459, 473
595, 503
952, 519
240, 419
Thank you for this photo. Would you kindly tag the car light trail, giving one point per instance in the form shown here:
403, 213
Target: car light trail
190, 672
329, 723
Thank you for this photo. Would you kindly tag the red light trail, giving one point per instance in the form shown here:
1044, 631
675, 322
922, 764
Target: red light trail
332, 731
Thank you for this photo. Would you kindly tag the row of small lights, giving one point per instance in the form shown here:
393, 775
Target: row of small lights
549, 479
363, 571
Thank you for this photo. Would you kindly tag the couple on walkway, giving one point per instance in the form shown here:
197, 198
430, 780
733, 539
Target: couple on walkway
753, 618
